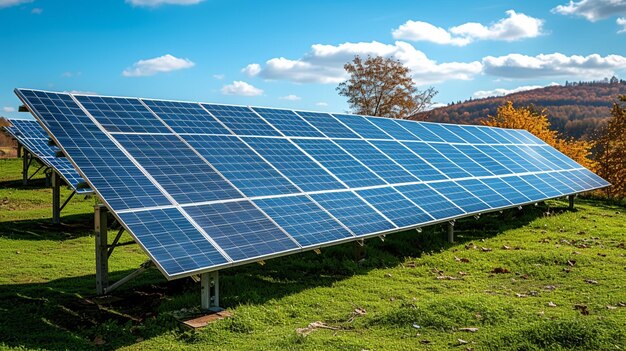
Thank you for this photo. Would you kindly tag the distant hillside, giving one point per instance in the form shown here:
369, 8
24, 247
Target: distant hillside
576, 109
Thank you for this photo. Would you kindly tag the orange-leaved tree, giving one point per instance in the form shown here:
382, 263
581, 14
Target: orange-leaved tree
611, 150
536, 122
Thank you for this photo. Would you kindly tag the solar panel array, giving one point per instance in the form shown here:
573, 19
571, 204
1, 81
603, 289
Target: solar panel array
35, 139
205, 186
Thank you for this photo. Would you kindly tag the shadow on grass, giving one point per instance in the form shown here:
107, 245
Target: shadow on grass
71, 227
35, 183
64, 314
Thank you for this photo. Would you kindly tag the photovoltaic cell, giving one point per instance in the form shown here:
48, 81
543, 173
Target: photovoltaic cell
481, 134
303, 220
523, 187
117, 179
552, 179
392, 128
518, 157
327, 124
339, 162
241, 229
484, 193
176, 245
463, 133
501, 158
461, 160
430, 201
241, 165
540, 185
444, 133
241, 120
294, 164
418, 129
506, 190
437, 160
288, 122
121, 114
482, 159
353, 212
410, 161
395, 206
376, 161
362, 126
459, 196
182, 173
186, 117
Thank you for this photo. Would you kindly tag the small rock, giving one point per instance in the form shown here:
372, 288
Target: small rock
550, 287
504, 247
609, 307
551, 304
462, 342
485, 249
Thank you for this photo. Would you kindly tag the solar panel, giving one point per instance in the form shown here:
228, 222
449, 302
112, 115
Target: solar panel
35, 139
204, 186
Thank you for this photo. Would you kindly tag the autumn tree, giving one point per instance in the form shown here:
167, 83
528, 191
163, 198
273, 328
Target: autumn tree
383, 87
536, 122
611, 150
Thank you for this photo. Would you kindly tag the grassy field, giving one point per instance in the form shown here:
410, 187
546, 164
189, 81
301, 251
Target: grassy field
540, 278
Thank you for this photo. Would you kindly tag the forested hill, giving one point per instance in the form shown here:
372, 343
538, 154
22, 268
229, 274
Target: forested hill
575, 109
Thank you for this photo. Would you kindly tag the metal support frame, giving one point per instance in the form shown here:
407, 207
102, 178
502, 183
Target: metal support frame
19, 150
26, 161
571, 200
104, 251
210, 291
451, 232
56, 198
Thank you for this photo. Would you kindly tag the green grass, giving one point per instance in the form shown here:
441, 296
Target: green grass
47, 286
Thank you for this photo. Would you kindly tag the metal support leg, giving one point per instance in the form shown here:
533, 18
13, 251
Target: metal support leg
19, 150
102, 259
25, 166
56, 198
571, 201
210, 291
451, 232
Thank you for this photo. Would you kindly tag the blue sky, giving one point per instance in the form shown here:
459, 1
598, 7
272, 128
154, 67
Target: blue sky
290, 53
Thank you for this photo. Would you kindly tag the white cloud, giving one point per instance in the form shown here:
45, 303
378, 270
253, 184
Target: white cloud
324, 64
155, 3
515, 26
621, 22
165, 63
71, 74
36, 11
241, 88
553, 65
592, 10
9, 3
502, 92
290, 97
218, 76
8, 109
252, 69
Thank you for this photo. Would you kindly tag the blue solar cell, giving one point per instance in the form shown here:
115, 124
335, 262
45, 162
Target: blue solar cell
483, 134
484, 160
588, 177
463, 133
241, 165
556, 162
186, 117
555, 182
442, 132
430, 201
459, 196
288, 122
572, 180
562, 159
411, 162
507, 191
353, 212
376, 161
503, 159
119, 182
461, 160
176, 245
517, 157
35, 139
327, 124
303, 220
542, 186
523, 187
241, 229
241, 120
362, 126
512, 135
533, 158
122, 114
396, 207
392, 128
524, 136
339, 163
418, 129
182, 173
437, 160
496, 134
484, 192
294, 164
